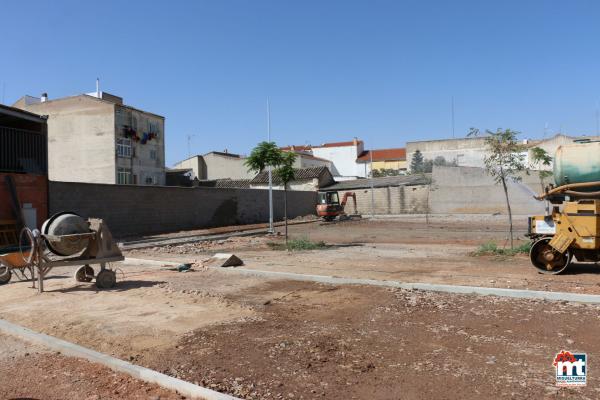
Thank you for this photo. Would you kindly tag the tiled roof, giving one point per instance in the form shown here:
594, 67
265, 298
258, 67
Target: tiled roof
307, 155
398, 154
233, 183
300, 174
401, 180
340, 144
295, 147
223, 154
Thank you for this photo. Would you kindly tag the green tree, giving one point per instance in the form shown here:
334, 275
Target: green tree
379, 173
264, 155
504, 160
539, 159
285, 173
416, 164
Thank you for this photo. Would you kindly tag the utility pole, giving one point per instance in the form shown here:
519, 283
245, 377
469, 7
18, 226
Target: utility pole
189, 144
452, 117
597, 119
371, 179
271, 231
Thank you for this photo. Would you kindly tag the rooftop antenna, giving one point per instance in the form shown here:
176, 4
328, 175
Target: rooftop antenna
98, 87
452, 116
545, 130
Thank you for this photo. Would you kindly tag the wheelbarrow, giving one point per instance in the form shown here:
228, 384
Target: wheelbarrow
18, 262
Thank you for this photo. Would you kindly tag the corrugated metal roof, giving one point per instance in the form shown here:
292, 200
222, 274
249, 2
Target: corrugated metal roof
300, 174
401, 180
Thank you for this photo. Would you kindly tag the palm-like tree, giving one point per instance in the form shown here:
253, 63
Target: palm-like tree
285, 173
267, 154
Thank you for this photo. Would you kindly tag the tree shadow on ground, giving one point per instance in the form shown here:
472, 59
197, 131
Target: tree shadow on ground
121, 286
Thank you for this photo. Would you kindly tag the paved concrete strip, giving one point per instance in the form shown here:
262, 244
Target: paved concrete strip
148, 262
485, 291
147, 375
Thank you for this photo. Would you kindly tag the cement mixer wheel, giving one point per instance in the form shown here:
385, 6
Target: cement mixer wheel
547, 260
106, 279
84, 274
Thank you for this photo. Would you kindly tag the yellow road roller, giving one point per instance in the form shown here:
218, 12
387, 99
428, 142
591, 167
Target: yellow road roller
572, 229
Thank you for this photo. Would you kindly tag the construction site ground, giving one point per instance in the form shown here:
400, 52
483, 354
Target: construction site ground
270, 338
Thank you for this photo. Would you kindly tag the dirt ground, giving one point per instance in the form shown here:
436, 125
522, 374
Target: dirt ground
31, 372
399, 250
267, 338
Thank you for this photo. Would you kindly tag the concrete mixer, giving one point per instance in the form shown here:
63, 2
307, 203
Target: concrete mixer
66, 239
572, 229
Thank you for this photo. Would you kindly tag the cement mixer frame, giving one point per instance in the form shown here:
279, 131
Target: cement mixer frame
37, 258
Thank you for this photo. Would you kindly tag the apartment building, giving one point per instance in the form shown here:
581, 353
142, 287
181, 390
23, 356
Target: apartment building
95, 138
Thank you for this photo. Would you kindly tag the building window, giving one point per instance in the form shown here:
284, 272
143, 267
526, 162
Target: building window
153, 127
151, 180
124, 147
123, 176
153, 154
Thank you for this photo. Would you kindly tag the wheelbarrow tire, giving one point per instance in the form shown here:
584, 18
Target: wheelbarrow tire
84, 274
5, 274
106, 279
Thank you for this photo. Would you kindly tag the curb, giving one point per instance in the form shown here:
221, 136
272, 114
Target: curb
432, 287
145, 374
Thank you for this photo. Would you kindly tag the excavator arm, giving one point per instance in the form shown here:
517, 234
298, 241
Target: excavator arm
345, 200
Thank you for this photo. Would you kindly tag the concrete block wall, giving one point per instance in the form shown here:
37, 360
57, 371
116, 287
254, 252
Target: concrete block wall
141, 210
389, 200
469, 190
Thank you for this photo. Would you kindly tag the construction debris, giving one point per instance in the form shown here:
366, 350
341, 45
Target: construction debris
224, 260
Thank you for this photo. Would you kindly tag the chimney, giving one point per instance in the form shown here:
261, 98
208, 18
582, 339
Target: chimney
225, 151
44, 97
355, 141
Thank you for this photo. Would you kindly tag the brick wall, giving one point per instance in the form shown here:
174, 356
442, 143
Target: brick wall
30, 189
136, 210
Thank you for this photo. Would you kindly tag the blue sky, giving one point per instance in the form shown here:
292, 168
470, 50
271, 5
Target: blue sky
384, 71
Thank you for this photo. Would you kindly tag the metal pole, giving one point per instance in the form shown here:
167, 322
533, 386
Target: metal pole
452, 117
270, 169
372, 194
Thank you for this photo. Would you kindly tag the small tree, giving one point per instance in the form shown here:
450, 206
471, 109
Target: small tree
378, 173
285, 172
504, 161
539, 159
416, 164
264, 155
427, 166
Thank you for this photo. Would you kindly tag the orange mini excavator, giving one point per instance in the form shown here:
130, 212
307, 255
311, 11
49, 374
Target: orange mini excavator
329, 206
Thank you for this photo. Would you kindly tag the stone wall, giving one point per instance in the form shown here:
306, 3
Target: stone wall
141, 210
